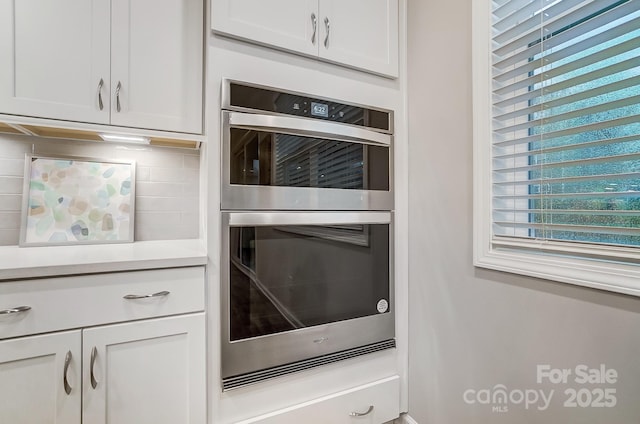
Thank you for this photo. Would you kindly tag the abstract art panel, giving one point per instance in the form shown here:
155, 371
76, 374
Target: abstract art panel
77, 201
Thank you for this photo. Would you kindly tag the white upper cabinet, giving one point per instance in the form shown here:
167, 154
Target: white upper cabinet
156, 64
361, 33
120, 62
54, 55
358, 33
288, 24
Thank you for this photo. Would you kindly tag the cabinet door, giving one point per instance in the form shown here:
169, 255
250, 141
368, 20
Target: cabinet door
288, 24
361, 33
145, 372
156, 64
32, 379
54, 55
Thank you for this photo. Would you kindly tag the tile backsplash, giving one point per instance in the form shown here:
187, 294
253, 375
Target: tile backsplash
167, 184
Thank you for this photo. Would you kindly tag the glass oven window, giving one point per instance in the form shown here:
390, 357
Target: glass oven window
273, 159
288, 277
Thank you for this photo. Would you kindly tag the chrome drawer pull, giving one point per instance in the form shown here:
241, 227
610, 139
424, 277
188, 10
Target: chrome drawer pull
94, 354
146, 296
16, 310
65, 382
361, 414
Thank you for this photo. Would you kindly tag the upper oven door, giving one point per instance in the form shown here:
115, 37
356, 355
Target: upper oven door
288, 163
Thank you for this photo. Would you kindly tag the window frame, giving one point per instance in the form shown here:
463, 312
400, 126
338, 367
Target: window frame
550, 261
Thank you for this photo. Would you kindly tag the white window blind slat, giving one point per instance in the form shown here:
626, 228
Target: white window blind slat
548, 181
575, 228
572, 212
569, 146
571, 131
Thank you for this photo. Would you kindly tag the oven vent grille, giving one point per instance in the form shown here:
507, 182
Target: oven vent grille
258, 376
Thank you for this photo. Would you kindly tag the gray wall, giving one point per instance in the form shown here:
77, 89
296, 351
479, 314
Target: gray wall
472, 328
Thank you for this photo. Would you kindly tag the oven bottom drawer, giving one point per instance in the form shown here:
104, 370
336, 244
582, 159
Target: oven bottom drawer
381, 399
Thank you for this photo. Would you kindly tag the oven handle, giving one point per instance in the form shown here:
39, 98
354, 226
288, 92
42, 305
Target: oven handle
240, 219
307, 127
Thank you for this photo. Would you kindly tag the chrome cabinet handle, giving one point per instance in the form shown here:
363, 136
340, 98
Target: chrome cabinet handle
94, 354
118, 87
100, 84
16, 310
314, 22
146, 296
65, 382
361, 414
327, 25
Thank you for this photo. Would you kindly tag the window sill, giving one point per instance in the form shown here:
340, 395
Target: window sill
609, 276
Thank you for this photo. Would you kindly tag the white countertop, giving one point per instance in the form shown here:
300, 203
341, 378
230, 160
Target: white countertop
31, 262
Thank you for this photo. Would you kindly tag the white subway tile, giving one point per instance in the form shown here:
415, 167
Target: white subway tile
191, 188
10, 220
10, 202
156, 225
150, 156
143, 173
165, 204
192, 161
14, 146
189, 204
191, 175
63, 148
170, 175
151, 188
11, 167
9, 237
11, 185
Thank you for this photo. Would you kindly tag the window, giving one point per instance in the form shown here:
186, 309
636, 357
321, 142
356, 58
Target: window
557, 139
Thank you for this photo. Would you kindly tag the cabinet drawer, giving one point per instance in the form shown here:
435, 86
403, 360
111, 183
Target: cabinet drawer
383, 395
86, 300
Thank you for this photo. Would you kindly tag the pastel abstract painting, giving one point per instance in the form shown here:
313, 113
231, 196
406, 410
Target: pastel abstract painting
77, 201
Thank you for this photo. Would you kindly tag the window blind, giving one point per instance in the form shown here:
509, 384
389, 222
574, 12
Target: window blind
566, 122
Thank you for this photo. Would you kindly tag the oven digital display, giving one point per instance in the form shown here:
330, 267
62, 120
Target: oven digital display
320, 109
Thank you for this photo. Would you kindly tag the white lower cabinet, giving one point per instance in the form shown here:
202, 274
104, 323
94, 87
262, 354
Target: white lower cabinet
373, 403
139, 367
147, 372
33, 378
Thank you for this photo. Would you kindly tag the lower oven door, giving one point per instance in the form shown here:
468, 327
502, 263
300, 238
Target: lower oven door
300, 285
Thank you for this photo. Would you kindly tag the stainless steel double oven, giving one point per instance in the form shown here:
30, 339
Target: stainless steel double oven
307, 232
